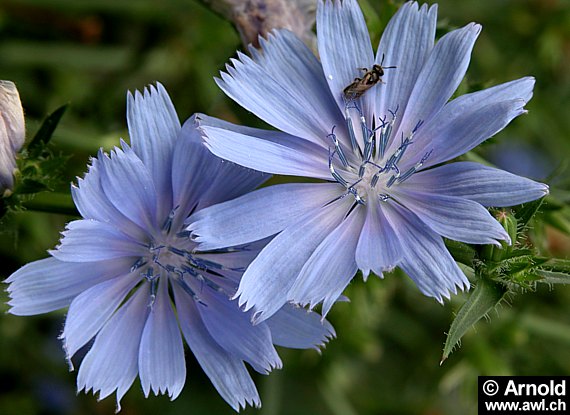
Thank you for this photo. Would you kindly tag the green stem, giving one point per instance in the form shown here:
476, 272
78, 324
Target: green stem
60, 203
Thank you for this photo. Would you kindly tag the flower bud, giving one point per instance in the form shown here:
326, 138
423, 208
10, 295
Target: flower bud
509, 222
12, 132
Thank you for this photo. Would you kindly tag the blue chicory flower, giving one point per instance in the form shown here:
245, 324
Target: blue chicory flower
129, 264
388, 200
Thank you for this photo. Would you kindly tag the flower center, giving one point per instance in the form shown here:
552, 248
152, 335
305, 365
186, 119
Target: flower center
368, 169
172, 255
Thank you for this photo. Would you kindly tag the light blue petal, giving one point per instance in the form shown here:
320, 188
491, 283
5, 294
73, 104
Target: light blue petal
48, 284
469, 120
378, 247
161, 355
236, 258
153, 128
211, 179
266, 283
332, 265
90, 240
91, 309
92, 202
226, 371
294, 65
194, 169
283, 85
299, 328
128, 185
415, 28
259, 214
343, 43
231, 328
482, 184
439, 78
111, 363
454, 217
266, 156
518, 89
277, 137
231, 181
426, 259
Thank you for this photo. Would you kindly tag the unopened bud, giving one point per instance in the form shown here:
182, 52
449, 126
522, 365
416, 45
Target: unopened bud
12, 132
509, 222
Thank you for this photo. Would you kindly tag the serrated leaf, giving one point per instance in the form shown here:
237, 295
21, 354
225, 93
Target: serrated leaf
486, 295
461, 252
525, 212
47, 128
552, 277
556, 264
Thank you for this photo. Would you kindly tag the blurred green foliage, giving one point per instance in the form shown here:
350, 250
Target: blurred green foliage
390, 337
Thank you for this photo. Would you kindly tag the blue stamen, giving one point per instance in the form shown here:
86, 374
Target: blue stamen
334, 174
149, 276
369, 145
353, 143
204, 264
186, 287
351, 190
393, 113
184, 234
407, 174
374, 180
231, 249
418, 125
338, 148
179, 252
384, 137
153, 288
367, 136
386, 131
168, 222
415, 168
202, 279
138, 263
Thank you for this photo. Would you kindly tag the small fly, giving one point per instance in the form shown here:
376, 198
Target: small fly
370, 78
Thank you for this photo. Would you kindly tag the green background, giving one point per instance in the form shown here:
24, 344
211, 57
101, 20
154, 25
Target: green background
386, 359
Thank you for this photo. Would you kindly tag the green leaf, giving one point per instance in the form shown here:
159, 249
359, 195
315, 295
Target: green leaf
554, 271
560, 195
61, 203
545, 328
551, 277
525, 212
483, 299
461, 252
47, 128
559, 219
556, 264
30, 186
